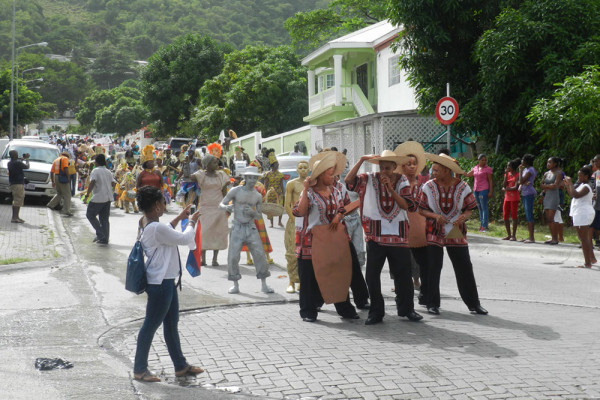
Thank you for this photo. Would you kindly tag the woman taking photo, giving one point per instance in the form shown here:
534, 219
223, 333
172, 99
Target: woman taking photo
163, 266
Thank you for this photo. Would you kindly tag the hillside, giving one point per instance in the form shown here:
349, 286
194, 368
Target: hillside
140, 27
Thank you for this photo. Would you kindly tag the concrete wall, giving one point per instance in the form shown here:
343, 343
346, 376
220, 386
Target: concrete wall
398, 97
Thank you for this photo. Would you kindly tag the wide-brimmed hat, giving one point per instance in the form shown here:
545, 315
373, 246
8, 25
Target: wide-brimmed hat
412, 148
251, 171
388, 155
446, 161
321, 162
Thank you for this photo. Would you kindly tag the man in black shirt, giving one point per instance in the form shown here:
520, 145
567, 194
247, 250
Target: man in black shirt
16, 179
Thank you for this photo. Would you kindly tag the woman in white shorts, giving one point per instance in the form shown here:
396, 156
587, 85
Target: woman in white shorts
582, 213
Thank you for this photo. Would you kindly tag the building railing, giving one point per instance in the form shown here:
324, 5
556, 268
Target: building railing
351, 95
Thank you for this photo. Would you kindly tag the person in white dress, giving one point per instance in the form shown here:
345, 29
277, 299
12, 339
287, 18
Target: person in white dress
582, 212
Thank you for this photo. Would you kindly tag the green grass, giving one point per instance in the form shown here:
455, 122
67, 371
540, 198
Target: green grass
541, 232
15, 260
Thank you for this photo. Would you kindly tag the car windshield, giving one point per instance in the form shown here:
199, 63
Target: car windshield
39, 154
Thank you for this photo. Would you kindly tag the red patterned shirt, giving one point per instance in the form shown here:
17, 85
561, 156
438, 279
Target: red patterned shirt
450, 203
321, 211
383, 220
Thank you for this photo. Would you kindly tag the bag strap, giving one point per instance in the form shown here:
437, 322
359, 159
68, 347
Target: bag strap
179, 259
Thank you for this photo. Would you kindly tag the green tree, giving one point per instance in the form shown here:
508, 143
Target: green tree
120, 110
173, 77
65, 84
27, 108
111, 67
260, 88
524, 55
437, 45
310, 29
569, 120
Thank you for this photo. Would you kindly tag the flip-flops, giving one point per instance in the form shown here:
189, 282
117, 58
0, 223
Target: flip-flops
146, 376
189, 370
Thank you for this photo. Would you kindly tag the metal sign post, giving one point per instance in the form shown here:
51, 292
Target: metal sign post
446, 112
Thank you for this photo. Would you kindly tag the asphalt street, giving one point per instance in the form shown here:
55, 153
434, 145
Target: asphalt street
67, 299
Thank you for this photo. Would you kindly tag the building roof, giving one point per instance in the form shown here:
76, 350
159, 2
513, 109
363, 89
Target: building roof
368, 37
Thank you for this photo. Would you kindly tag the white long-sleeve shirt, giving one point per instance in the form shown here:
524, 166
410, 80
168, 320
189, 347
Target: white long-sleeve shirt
160, 241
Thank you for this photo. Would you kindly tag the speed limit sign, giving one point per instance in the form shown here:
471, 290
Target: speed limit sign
446, 110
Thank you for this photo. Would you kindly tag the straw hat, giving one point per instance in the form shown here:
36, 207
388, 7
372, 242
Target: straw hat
321, 162
412, 148
251, 171
388, 155
446, 161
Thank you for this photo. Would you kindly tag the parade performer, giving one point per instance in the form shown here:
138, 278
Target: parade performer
320, 203
446, 202
274, 180
292, 195
385, 197
188, 188
128, 192
246, 208
149, 176
260, 223
417, 238
212, 185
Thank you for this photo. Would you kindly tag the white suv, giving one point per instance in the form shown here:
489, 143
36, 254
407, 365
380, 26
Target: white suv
41, 157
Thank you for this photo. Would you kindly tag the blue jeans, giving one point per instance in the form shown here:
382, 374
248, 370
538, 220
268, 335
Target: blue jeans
162, 308
528, 207
482, 204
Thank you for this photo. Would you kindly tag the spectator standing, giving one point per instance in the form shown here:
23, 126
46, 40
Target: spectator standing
163, 267
16, 180
527, 176
98, 211
510, 207
596, 178
482, 189
550, 185
59, 175
582, 212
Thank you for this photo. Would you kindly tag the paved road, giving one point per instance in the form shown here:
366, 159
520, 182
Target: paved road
539, 341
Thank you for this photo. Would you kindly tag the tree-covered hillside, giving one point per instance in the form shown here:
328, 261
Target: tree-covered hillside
140, 27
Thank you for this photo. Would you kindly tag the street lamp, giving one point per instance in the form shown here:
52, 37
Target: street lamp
12, 72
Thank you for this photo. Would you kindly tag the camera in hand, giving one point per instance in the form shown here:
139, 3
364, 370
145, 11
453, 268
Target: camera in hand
192, 209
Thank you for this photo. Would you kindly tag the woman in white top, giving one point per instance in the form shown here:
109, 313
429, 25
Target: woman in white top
160, 241
582, 212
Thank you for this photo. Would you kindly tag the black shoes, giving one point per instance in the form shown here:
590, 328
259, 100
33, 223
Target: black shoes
355, 316
413, 316
309, 319
364, 306
422, 301
433, 310
373, 320
478, 310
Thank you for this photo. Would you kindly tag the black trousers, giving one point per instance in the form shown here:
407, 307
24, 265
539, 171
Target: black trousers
399, 261
310, 294
463, 270
420, 255
360, 292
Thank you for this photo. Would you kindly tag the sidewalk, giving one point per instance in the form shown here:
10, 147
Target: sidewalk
31, 241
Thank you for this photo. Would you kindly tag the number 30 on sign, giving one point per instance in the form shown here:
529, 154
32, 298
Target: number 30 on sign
446, 110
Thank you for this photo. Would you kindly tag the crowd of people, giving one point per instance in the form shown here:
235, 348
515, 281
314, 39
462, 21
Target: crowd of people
405, 213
